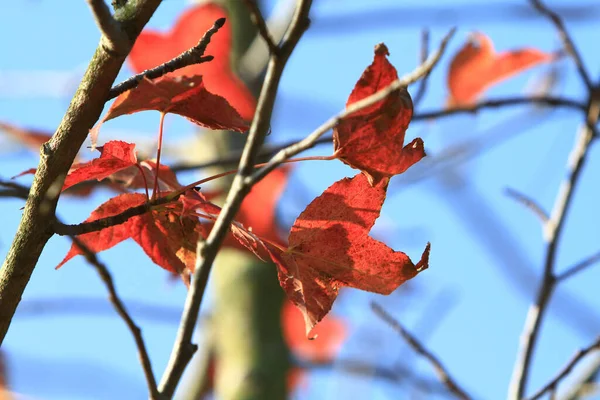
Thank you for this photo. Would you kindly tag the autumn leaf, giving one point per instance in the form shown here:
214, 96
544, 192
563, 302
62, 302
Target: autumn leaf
372, 139
477, 66
184, 96
114, 156
163, 235
330, 247
153, 48
30, 138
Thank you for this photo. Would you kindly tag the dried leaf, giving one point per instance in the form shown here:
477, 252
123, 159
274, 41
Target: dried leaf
372, 139
330, 247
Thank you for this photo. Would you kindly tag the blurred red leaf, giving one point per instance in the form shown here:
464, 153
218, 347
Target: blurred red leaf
185, 96
114, 156
372, 139
30, 138
477, 66
330, 247
330, 335
153, 48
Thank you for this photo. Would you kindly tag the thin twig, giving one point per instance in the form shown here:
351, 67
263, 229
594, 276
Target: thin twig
528, 203
269, 151
440, 370
423, 57
580, 266
510, 101
552, 385
553, 229
207, 251
401, 374
567, 41
15, 189
194, 55
114, 298
116, 39
311, 139
261, 25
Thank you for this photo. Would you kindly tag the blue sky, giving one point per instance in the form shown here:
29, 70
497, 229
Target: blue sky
486, 248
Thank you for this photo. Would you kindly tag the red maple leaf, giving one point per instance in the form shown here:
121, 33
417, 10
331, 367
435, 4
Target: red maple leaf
477, 66
167, 238
372, 139
114, 156
153, 48
330, 247
185, 96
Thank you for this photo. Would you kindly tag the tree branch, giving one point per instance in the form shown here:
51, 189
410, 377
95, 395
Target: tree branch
261, 25
552, 385
567, 41
422, 58
194, 55
528, 203
182, 350
580, 266
114, 298
57, 157
116, 40
553, 229
440, 370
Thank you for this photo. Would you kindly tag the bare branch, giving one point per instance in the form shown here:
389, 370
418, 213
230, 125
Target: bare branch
528, 203
261, 25
207, 251
440, 370
553, 384
116, 39
553, 229
423, 57
114, 298
580, 266
567, 41
194, 55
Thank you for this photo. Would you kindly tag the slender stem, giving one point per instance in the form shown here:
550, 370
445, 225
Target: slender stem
161, 124
580, 266
139, 167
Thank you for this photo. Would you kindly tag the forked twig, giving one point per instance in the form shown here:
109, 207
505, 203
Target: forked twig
439, 368
566, 370
261, 25
115, 37
194, 55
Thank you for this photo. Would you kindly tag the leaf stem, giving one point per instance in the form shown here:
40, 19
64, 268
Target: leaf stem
160, 137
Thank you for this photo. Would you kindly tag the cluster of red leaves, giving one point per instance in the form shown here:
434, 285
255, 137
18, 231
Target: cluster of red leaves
477, 67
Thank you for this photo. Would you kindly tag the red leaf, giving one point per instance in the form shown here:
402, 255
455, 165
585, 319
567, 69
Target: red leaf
372, 139
114, 156
184, 96
329, 335
476, 67
30, 138
154, 48
330, 247
163, 235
